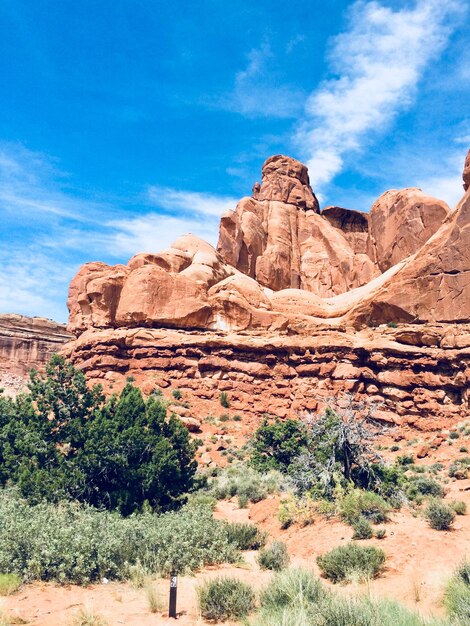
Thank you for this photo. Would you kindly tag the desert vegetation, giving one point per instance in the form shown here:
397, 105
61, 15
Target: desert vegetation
63, 441
108, 489
296, 596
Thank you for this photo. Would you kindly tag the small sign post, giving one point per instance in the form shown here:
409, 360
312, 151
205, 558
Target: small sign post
173, 589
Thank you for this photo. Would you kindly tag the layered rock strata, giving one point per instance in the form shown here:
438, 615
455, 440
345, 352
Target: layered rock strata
414, 376
26, 343
287, 280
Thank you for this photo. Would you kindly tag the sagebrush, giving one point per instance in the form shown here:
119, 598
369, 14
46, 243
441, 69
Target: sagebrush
80, 544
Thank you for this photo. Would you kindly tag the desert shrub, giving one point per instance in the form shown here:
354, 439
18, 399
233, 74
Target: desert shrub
225, 417
459, 468
225, 598
463, 449
65, 441
275, 557
137, 575
357, 504
392, 325
405, 459
202, 498
439, 515
362, 529
454, 434
457, 595
424, 485
458, 506
245, 536
237, 418
296, 597
292, 587
176, 393
243, 501
80, 544
394, 448
380, 533
339, 452
244, 482
9, 583
224, 401
275, 444
154, 601
351, 561
297, 510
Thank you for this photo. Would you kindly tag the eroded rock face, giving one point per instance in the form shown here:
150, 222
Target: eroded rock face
289, 302
286, 180
418, 377
432, 285
279, 237
400, 222
26, 343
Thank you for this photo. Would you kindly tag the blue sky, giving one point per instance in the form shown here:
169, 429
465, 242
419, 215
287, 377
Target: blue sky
126, 123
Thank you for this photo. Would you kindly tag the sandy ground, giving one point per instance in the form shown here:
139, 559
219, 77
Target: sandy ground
419, 563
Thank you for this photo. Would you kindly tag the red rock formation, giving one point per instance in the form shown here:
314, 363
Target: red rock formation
433, 284
417, 376
26, 343
400, 222
466, 172
279, 237
277, 262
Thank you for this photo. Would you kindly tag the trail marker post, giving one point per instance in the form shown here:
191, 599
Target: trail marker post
173, 590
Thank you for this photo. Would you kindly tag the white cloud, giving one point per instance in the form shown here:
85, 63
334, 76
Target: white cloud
192, 212
32, 283
258, 93
30, 186
154, 232
447, 187
190, 201
377, 65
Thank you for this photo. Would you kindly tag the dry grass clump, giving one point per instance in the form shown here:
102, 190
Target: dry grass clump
87, 617
9, 583
352, 562
225, 598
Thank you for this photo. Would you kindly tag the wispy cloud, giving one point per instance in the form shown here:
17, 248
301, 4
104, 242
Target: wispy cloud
33, 283
190, 201
154, 232
257, 92
191, 212
46, 231
31, 186
377, 63
449, 186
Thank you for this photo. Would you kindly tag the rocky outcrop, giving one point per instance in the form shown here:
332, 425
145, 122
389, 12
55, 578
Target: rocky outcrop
400, 222
279, 238
433, 284
414, 376
354, 225
290, 302
26, 343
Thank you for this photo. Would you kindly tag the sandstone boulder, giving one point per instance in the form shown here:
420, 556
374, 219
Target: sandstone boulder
400, 222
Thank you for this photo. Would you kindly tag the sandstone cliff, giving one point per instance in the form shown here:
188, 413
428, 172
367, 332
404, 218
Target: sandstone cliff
290, 302
26, 343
